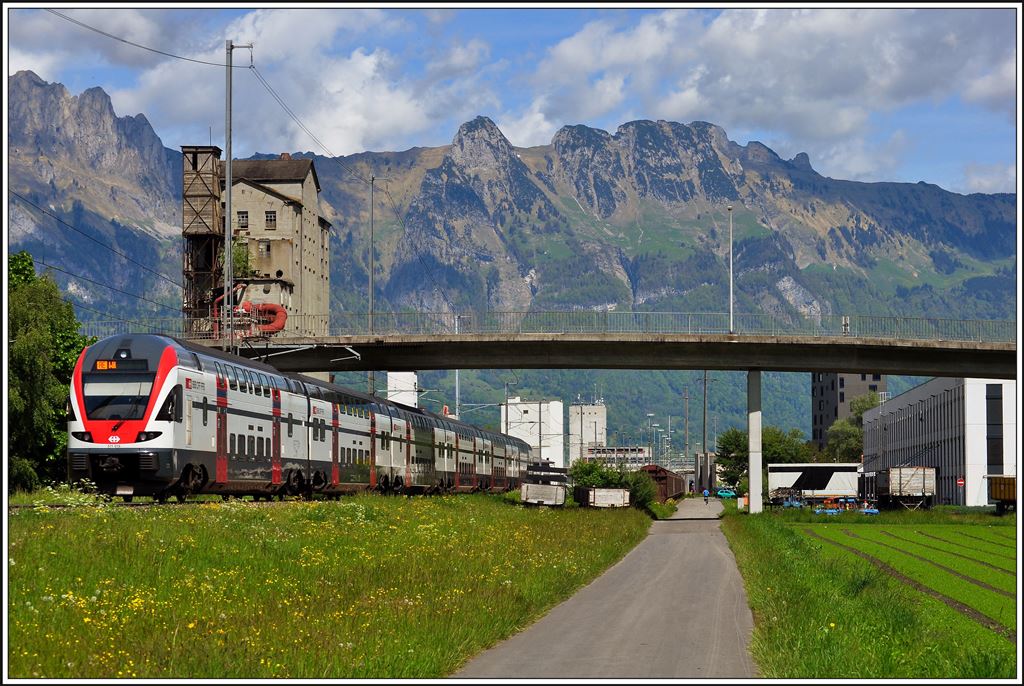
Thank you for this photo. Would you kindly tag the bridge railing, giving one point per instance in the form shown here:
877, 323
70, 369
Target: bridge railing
574, 322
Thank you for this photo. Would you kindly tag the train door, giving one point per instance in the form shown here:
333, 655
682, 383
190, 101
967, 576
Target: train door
334, 445
221, 467
275, 438
373, 452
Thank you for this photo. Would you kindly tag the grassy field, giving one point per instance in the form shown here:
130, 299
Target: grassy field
368, 587
928, 595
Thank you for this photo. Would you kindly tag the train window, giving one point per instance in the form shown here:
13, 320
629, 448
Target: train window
289, 425
231, 449
232, 379
220, 370
252, 446
264, 384
259, 448
348, 455
266, 447
206, 408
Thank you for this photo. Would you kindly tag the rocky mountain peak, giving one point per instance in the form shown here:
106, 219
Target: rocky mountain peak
64, 139
802, 161
479, 144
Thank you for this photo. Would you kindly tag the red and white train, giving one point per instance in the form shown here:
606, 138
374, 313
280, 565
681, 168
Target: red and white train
157, 416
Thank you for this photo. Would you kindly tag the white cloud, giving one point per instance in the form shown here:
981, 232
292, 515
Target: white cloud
460, 60
529, 129
360, 108
46, 66
996, 89
990, 178
808, 74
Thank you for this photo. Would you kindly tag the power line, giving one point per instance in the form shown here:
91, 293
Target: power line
137, 45
280, 101
94, 240
334, 158
77, 276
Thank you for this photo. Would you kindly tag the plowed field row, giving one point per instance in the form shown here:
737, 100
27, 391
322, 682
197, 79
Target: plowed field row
985, 593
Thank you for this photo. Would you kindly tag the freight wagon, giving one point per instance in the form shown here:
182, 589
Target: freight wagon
911, 487
1003, 491
668, 483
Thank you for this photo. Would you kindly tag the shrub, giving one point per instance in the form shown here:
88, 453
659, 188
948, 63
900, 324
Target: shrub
22, 476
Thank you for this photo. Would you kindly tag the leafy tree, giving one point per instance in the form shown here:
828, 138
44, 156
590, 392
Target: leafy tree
732, 456
861, 404
844, 441
43, 347
776, 446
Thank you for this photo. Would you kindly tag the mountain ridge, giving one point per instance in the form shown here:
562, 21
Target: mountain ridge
634, 219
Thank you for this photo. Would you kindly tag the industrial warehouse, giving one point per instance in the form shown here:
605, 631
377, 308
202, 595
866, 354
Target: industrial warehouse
965, 428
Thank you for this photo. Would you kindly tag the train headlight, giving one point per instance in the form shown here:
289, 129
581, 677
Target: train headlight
147, 436
82, 436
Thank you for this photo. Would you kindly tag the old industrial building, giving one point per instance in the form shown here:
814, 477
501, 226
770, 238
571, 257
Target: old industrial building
965, 428
277, 219
831, 395
588, 428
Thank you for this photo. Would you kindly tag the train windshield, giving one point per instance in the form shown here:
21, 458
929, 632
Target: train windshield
116, 396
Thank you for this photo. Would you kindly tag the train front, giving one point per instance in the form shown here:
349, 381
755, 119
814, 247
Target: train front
123, 409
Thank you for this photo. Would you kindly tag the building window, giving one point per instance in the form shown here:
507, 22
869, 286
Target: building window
876, 377
263, 248
842, 382
271, 216
842, 396
243, 220
873, 387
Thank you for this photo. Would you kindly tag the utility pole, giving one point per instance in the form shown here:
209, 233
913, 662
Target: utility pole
686, 414
704, 442
228, 275
369, 379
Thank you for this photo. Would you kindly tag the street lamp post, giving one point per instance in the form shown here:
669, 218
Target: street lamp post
731, 330
650, 427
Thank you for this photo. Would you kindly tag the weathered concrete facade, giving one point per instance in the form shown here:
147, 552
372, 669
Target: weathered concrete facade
276, 211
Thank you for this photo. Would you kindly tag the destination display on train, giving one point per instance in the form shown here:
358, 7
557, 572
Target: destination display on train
121, 366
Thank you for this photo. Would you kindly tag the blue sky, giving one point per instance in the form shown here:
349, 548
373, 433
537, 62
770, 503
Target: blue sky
870, 93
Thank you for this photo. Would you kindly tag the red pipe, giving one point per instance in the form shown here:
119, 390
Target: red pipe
267, 311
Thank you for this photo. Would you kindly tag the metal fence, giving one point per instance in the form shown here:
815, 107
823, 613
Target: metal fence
575, 322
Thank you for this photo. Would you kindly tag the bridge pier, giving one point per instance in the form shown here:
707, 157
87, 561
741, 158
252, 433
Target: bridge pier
754, 440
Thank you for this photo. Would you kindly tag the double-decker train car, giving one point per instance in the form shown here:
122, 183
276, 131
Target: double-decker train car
157, 416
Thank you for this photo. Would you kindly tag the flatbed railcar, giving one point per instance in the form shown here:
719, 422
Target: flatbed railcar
157, 416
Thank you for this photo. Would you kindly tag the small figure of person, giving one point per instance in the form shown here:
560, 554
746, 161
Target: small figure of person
706, 494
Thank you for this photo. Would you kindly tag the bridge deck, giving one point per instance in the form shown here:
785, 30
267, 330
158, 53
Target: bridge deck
635, 351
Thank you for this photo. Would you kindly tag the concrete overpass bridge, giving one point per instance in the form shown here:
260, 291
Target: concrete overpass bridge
617, 340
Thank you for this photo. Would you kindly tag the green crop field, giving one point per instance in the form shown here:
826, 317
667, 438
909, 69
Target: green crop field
867, 597
368, 587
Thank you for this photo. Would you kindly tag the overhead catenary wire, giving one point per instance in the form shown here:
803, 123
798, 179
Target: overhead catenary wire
137, 45
334, 158
118, 290
94, 240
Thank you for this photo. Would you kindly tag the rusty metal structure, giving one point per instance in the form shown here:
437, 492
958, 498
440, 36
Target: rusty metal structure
202, 228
